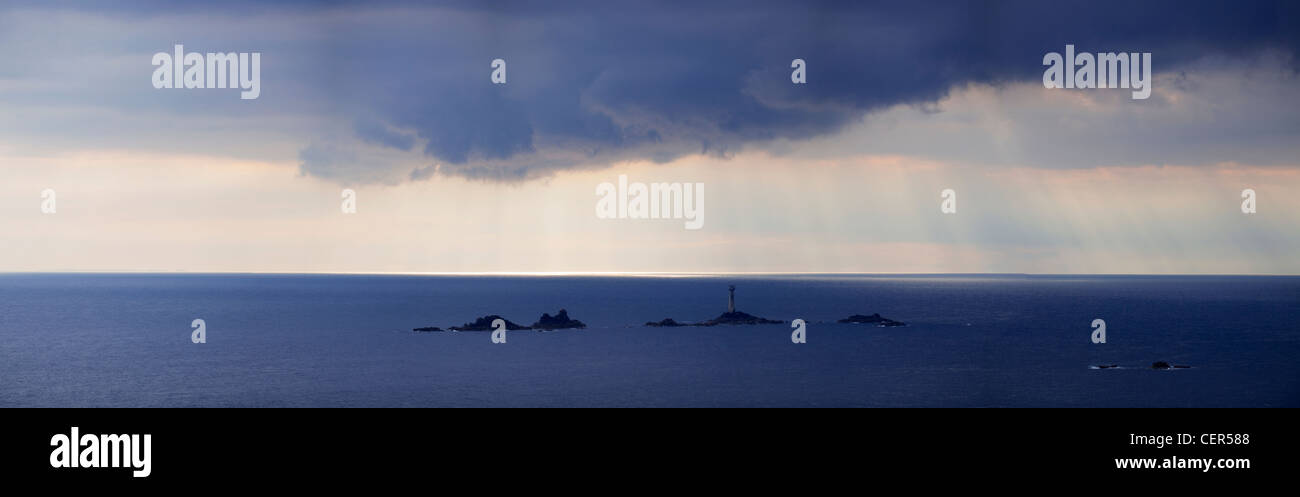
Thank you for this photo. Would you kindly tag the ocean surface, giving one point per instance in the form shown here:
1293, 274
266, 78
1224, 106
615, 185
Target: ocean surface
340, 340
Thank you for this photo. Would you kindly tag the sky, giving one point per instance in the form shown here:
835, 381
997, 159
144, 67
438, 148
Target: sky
451, 172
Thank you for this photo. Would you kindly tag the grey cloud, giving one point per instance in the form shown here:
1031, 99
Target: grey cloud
593, 83
374, 132
588, 87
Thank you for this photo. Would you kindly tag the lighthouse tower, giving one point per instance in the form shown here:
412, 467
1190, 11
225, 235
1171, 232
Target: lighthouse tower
731, 298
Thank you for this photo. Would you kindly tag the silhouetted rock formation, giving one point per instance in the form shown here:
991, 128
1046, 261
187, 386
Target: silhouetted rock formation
1107, 366
1165, 365
726, 318
737, 317
875, 319
485, 324
561, 321
666, 323
732, 316
429, 328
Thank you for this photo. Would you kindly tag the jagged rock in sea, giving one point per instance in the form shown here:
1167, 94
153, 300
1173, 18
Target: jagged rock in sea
727, 318
666, 323
485, 324
561, 321
732, 316
428, 329
737, 317
875, 319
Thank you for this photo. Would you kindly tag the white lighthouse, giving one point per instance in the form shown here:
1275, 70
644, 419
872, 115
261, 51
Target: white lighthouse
731, 298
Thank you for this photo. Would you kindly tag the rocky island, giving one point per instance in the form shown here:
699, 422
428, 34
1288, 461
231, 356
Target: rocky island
561, 321
666, 323
485, 324
876, 319
732, 316
737, 317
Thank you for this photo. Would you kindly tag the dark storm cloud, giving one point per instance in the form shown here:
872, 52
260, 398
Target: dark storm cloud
597, 82
376, 133
611, 82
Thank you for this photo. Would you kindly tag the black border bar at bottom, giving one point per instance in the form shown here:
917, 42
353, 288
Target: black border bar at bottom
716, 448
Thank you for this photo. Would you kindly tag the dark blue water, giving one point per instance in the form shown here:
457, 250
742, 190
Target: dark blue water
306, 340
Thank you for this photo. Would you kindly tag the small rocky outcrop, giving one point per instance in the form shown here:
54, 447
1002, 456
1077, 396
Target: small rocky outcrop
560, 321
737, 317
875, 319
666, 323
1165, 365
428, 329
485, 324
726, 318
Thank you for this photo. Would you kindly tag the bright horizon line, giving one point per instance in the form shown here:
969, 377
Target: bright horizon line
659, 274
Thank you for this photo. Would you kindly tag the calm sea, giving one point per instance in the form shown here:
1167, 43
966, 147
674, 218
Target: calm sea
336, 340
